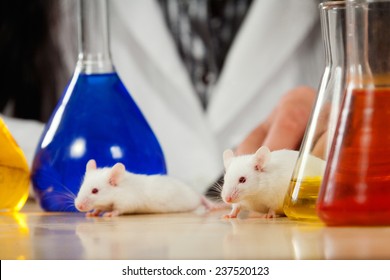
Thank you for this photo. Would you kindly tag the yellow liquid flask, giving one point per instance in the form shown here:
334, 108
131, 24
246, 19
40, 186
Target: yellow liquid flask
14, 173
301, 197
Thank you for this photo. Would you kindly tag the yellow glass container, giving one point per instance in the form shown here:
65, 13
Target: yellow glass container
14, 173
301, 197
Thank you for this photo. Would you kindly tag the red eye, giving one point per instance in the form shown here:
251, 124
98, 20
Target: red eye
242, 180
94, 190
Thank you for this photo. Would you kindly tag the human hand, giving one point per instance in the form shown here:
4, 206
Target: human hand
285, 126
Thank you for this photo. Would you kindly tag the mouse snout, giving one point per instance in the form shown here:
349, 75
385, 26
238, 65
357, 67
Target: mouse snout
231, 197
81, 205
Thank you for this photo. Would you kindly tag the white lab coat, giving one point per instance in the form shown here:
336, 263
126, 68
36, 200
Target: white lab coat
273, 52
277, 48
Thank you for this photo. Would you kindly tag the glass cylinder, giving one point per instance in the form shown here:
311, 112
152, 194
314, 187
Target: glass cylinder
301, 197
356, 184
96, 118
14, 173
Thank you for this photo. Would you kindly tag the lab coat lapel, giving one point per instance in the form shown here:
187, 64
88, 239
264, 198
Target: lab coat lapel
253, 67
147, 27
145, 56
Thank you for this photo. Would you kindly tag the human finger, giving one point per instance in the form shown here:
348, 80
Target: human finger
289, 123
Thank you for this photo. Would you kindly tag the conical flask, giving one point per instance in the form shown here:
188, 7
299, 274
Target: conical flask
14, 173
301, 197
356, 184
96, 118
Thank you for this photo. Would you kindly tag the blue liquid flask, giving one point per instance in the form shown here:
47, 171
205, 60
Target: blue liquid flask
96, 118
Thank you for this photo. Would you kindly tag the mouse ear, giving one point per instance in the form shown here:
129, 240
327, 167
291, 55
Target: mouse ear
116, 174
91, 165
262, 156
227, 158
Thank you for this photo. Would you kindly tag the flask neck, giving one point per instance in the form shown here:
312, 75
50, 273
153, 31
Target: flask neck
94, 48
333, 33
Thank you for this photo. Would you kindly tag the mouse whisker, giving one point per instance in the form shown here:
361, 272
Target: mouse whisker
58, 183
216, 187
65, 196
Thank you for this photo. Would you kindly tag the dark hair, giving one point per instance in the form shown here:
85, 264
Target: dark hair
30, 57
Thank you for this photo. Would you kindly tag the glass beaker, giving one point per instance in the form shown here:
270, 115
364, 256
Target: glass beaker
14, 173
96, 118
301, 197
356, 184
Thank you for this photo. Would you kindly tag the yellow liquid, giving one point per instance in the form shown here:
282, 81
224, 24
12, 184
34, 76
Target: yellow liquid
14, 173
301, 198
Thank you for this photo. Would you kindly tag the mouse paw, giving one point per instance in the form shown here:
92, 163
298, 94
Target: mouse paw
270, 215
229, 216
94, 213
114, 213
235, 210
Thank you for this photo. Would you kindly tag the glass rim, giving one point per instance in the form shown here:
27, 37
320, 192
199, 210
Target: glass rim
329, 4
365, 1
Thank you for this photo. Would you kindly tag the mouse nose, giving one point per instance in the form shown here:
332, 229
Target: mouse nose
80, 206
228, 199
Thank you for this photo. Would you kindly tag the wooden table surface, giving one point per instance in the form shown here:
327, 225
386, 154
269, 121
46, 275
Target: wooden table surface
34, 234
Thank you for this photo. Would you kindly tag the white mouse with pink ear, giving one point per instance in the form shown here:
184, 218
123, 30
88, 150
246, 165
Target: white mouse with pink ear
115, 191
257, 182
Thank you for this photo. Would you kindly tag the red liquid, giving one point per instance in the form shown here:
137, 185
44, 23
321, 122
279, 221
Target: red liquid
356, 184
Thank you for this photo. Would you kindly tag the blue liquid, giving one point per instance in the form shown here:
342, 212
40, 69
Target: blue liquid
96, 118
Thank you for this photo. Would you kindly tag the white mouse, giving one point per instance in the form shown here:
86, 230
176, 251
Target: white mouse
116, 191
259, 181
